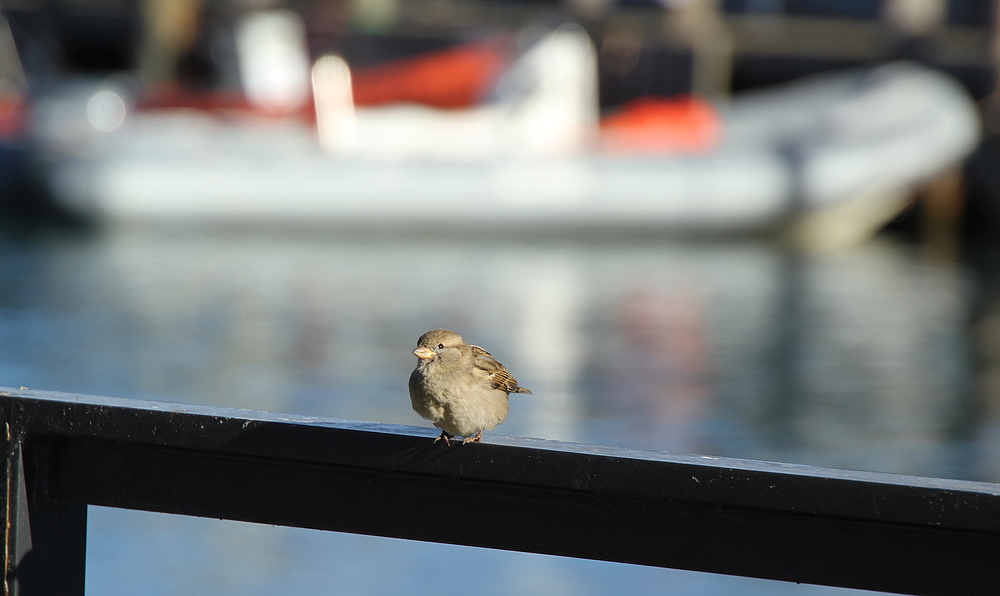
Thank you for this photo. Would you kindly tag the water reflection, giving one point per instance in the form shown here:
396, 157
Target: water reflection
858, 359
855, 359
655, 379
551, 340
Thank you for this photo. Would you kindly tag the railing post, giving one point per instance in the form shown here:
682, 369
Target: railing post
45, 545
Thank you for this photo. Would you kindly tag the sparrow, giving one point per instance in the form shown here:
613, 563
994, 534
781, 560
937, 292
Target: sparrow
462, 389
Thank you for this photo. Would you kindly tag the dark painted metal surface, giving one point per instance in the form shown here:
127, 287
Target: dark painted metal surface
757, 519
45, 546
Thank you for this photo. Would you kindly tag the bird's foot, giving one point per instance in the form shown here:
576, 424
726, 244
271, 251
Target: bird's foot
447, 438
474, 438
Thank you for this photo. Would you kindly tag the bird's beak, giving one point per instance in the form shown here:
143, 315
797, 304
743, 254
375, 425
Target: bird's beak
424, 353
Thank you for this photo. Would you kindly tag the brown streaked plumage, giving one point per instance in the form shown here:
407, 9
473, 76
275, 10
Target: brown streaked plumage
462, 389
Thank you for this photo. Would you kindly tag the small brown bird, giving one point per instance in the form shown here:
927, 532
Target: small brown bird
460, 388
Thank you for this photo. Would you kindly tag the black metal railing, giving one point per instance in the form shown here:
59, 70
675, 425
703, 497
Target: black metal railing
767, 520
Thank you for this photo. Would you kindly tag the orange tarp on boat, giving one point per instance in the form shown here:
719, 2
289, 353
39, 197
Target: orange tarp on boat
662, 125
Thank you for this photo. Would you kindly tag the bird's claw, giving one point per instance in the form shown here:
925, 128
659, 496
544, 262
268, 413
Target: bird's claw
447, 438
474, 438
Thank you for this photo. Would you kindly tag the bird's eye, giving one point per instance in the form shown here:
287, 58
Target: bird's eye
440, 346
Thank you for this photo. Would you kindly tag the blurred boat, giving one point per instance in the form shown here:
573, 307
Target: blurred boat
843, 148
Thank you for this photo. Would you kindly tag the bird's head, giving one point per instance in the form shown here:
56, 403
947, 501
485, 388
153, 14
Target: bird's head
440, 344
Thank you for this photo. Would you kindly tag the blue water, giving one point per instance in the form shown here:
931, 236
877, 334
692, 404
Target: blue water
859, 359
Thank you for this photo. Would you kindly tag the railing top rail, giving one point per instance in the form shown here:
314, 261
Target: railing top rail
762, 519
960, 504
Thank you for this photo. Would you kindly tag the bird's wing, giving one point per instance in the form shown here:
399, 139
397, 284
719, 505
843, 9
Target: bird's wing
500, 376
